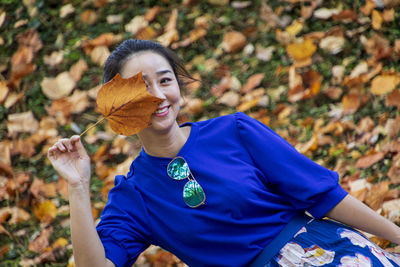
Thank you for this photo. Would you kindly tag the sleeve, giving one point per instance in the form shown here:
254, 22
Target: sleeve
121, 227
306, 185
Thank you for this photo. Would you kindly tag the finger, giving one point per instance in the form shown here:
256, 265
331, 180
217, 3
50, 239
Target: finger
61, 146
52, 153
76, 141
67, 144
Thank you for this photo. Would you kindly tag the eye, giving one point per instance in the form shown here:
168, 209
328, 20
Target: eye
165, 80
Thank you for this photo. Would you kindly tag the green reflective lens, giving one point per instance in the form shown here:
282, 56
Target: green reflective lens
193, 194
178, 169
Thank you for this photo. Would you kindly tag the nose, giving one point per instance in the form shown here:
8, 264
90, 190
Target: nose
155, 90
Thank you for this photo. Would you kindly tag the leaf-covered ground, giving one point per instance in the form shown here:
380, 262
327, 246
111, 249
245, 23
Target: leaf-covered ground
323, 74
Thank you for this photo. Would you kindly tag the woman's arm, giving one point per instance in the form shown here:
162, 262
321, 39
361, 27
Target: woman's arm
69, 158
356, 214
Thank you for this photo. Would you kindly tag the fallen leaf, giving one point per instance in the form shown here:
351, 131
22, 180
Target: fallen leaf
376, 195
21, 122
393, 99
325, 13
195, 106
231, 99
377, 20
88, 16
301, 51
248, 104
126, 104
368, 7
252, 82
55, 58
388, 15
58, 87
384, 84
233, 41
333, 44
105, 39
13, 215
137, 23
45, 211
350, 103
40, 243
78, 69
114, 19
66, 10
100, 54
345, 16
369, 160
170, 32
151, 13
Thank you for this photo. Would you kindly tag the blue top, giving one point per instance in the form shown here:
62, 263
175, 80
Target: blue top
254, 182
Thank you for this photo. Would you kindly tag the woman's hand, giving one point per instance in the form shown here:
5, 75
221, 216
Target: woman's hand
71, 161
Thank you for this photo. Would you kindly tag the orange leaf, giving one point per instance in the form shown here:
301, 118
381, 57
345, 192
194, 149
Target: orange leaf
42, 241
385, 83
253, 81
233, 41
393, 99
351, 103
126, 104
369, 160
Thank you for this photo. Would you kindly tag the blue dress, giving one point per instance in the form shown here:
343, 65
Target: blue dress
254, 181
328, 243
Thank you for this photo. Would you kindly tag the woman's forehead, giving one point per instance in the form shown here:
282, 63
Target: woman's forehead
147, 62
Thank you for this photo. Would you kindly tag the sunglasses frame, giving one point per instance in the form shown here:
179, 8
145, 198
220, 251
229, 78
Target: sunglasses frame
190, 177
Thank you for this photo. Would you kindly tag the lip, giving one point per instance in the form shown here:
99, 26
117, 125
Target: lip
164, 113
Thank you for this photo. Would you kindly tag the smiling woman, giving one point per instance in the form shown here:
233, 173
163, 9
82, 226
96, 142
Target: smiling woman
222, 192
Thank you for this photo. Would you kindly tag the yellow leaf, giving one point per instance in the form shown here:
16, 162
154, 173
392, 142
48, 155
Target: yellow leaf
45, 211
248, 104
60, 243
384, 84
377, 20
126, 104
294, 28
301, 51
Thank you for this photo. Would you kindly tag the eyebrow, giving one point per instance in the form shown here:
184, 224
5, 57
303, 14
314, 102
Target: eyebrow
161, 72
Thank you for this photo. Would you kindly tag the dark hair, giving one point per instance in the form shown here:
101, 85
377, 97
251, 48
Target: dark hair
121, 54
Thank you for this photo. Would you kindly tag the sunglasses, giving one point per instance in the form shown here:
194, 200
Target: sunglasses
193, 193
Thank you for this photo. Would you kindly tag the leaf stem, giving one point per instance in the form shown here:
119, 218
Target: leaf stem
92, 126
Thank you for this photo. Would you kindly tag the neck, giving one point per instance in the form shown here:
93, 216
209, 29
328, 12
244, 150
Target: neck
164, 144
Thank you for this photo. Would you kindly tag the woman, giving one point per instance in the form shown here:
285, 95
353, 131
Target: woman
214, 193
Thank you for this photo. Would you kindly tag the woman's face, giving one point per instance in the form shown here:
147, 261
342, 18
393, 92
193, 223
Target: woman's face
160, 82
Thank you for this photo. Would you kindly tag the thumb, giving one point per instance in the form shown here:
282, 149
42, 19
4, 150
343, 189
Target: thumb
76, 142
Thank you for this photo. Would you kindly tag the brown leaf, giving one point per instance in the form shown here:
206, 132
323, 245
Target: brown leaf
378, 47
368, 7
14, 215
152, 13
376, 195
194, 106
40, 243
100, 54
393, 99
78, 69
369, 160
248, 104
233, 41
333, 92
224, 84
252, 82
346, 16
136, 24
58, 87
388, 15
350, 102
126, 104
55, 58
105, 39
88, 17
22, 122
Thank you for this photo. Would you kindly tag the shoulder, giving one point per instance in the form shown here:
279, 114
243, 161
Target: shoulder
223, 121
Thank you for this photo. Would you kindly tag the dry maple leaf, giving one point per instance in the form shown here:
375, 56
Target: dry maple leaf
126, 104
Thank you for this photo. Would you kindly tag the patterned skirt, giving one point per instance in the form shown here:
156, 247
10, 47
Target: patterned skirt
328, 243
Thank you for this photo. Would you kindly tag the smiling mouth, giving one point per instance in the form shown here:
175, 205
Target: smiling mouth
161, 110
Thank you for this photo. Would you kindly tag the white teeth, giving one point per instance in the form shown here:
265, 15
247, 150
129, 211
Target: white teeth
161, 110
